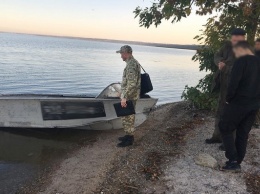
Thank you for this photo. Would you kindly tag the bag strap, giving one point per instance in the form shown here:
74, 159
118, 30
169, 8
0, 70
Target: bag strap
142, 68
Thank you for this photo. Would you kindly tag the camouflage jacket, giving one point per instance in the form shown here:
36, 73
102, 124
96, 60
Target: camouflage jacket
226, 55
131, 82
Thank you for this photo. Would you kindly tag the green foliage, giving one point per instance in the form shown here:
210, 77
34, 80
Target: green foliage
201, 95
175, 10
211, 39
202, 100
229, 15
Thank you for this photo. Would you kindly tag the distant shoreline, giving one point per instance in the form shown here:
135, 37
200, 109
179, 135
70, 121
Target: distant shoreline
175, 46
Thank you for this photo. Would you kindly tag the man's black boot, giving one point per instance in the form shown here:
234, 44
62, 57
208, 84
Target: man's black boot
122, 138
128, 141
212, 141
231, 166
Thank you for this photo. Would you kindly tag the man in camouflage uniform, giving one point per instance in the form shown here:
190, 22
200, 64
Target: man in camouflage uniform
130, 90
225, 60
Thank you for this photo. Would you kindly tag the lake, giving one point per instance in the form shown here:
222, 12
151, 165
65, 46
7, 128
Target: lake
48, 65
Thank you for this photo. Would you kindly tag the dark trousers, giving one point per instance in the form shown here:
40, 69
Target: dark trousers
257, 121
240, 119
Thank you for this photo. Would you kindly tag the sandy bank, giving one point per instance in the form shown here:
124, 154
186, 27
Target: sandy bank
161, 161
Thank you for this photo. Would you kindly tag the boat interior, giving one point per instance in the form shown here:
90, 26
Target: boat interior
113, 92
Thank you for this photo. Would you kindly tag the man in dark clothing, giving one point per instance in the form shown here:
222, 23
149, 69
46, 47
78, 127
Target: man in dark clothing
257, 47
242, 104
224, 59
257, 53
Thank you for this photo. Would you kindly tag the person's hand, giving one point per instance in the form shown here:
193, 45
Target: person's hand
221, 65
123, 103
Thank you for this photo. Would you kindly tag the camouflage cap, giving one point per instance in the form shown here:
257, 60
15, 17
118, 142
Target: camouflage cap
125, 49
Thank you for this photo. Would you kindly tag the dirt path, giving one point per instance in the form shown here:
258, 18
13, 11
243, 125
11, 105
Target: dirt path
161, 161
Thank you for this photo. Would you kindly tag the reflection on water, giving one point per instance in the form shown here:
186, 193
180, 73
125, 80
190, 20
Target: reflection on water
24, 153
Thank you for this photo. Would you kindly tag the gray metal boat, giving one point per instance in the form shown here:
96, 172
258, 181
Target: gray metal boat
58, 111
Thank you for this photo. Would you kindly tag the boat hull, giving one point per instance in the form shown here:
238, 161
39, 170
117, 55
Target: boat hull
66, 112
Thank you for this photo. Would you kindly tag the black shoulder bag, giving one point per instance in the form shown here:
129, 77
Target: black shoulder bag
146, 84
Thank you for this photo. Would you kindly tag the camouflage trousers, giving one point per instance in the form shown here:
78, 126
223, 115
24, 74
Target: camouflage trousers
129, 123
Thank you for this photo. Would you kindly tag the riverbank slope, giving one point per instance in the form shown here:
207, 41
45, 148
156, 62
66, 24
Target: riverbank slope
161, 160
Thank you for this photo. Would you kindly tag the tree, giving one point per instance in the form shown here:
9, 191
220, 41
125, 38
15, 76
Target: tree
228, 14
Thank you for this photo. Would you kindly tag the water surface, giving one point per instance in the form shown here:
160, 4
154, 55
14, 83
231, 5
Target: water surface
50, 65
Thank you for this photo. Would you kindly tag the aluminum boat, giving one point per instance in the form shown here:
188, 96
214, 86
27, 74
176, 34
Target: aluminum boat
60, 111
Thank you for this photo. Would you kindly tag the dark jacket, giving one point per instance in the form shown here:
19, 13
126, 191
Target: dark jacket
257, 53
244, 86
226, 55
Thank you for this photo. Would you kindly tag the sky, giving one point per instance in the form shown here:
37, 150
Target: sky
108, 19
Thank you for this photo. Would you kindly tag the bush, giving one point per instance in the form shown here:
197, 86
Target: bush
211, 38
201, 95
202, 100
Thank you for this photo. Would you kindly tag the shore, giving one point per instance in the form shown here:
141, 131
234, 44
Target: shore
160, 161
163, 45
